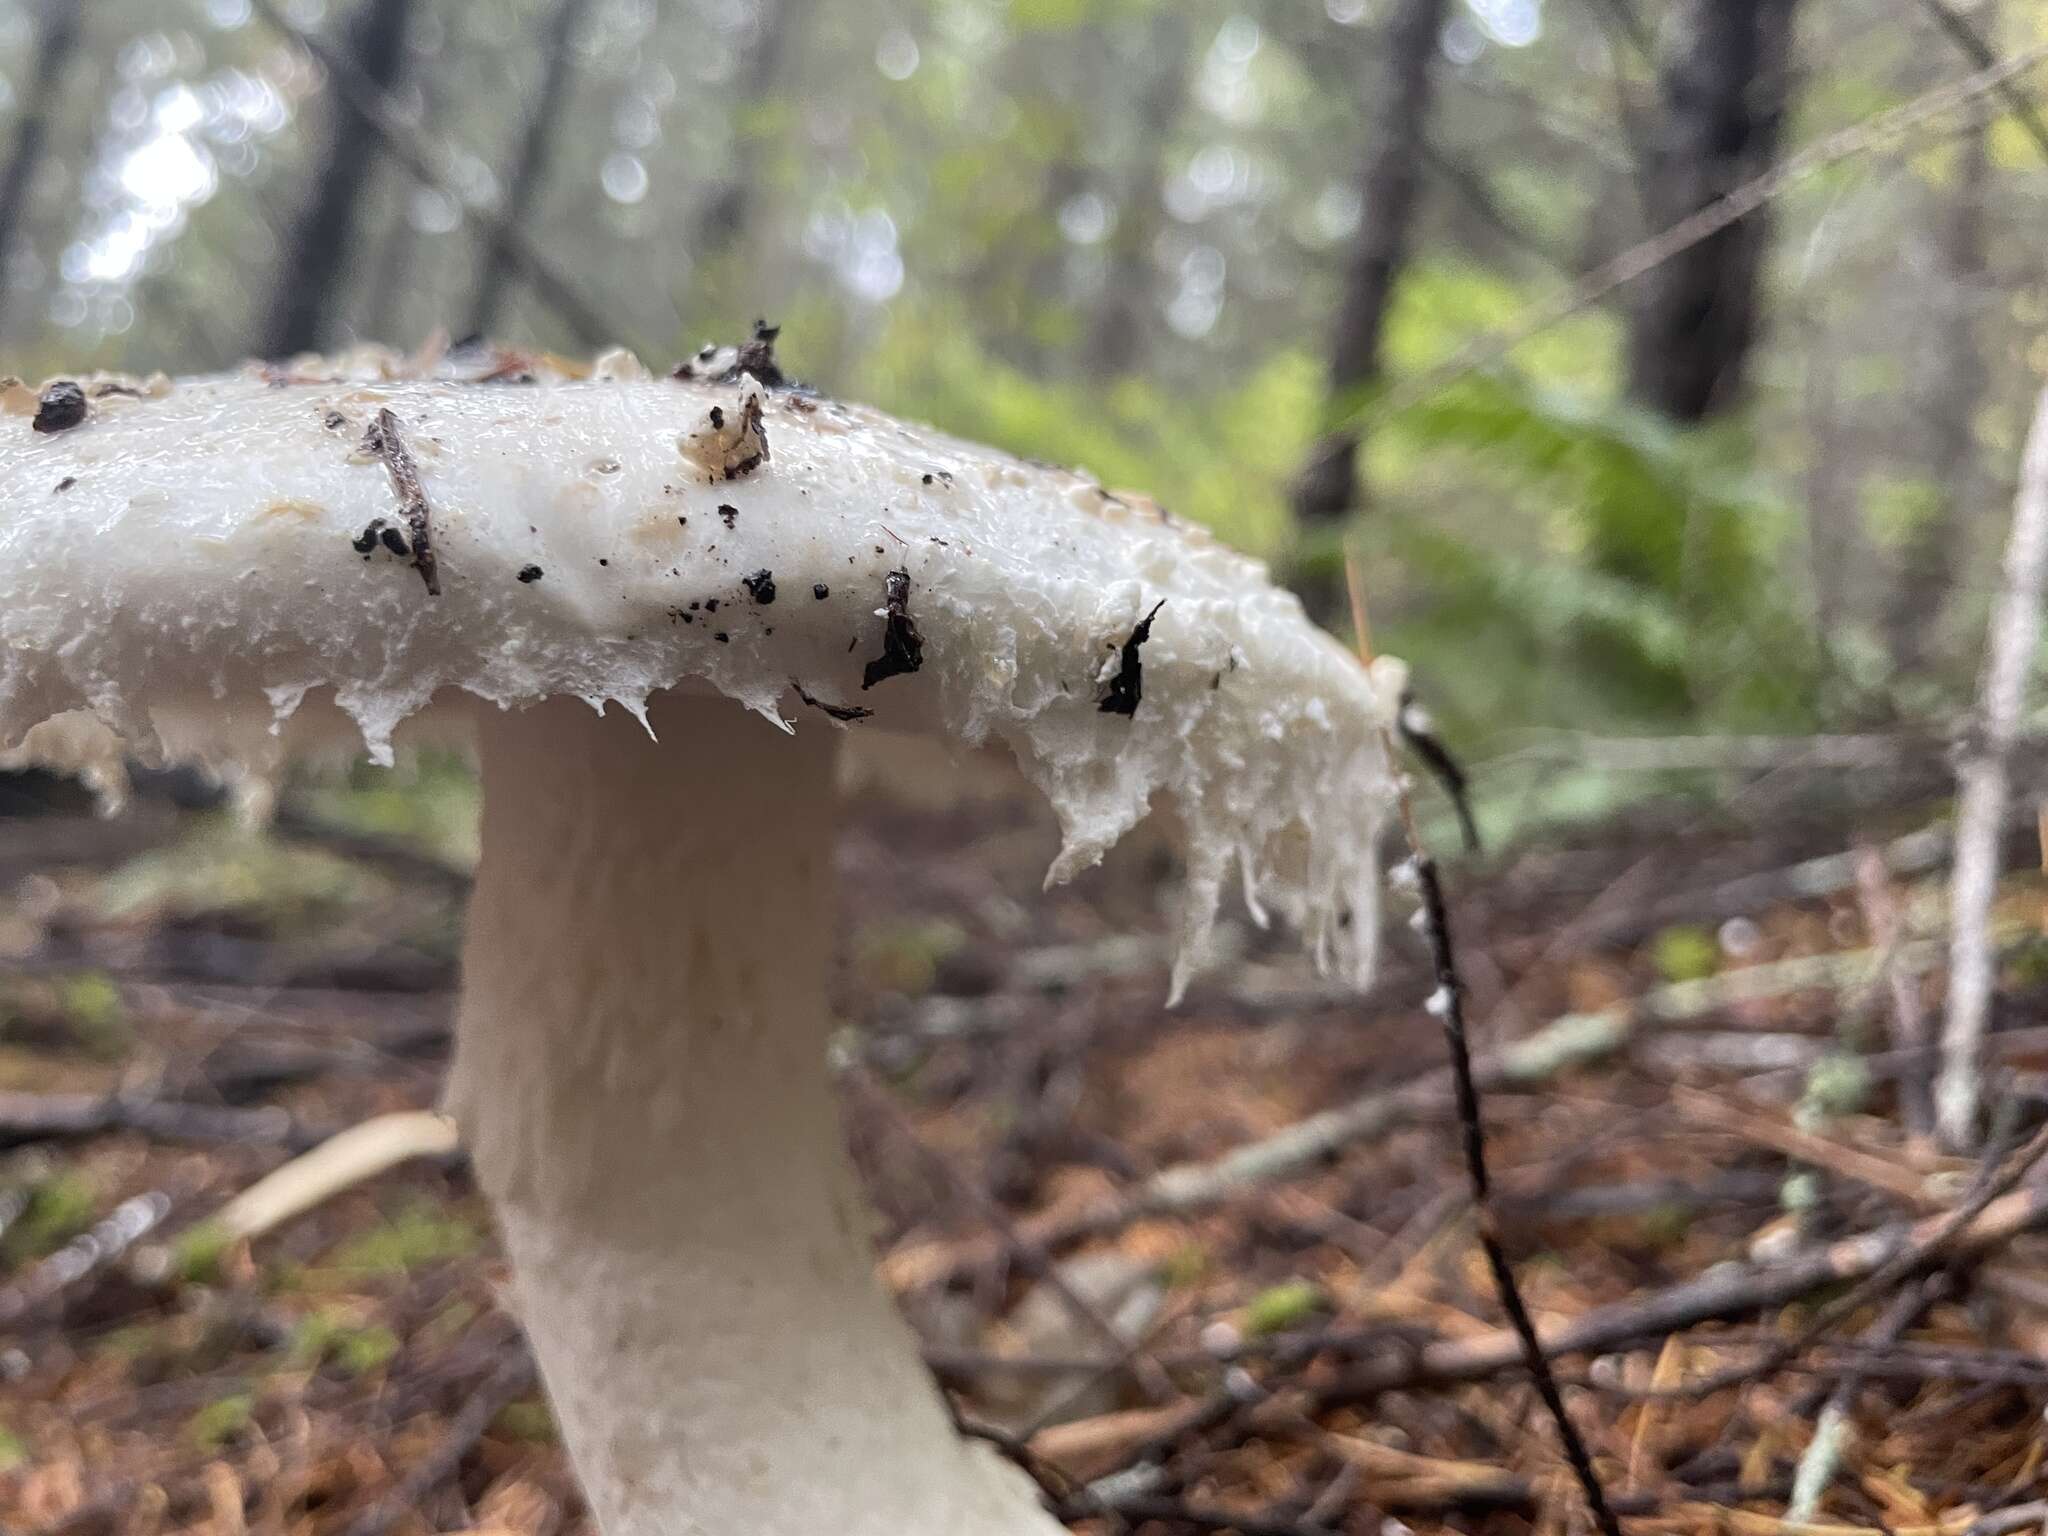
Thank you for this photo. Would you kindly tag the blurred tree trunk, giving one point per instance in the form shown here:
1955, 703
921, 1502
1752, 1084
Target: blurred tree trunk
1390, 188
1723, 88
58, 24
530, 171
1116, 337
389, 286
1933, 554
320, 247
728, 208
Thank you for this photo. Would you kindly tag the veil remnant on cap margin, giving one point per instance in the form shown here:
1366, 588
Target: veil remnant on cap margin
341, 551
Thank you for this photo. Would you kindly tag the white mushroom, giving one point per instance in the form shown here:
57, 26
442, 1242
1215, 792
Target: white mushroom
230, 569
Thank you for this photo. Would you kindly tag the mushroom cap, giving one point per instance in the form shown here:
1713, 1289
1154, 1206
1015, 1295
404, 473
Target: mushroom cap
223, 569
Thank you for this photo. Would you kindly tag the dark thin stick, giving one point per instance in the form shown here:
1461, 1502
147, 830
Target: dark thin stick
1448, 1003
1416, 734
1054, 1486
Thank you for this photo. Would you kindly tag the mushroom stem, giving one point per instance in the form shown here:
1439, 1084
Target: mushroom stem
641, 1078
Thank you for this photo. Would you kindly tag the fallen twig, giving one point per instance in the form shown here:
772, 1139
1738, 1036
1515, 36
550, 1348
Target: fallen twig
1980, 807
387, 442
1570, 1041
1832, 1431
33, 1117
1029, 1256
512, 1380
1980, 1225
85, 1255
341, 1162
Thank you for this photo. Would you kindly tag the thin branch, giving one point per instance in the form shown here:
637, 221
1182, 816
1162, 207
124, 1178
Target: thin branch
1568, 1041
1981, 805
84, 1258
1631, 264
1979, 52
411, 150
1909, 1033
1030, 1255
1868, 1261
1448, 1004
34, 1117
1833, 1431
1470, 184
506, 1385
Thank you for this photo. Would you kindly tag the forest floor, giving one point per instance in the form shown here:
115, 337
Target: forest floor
1706, 1093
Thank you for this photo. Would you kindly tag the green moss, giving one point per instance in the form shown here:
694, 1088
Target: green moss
138, 1341
528, 1419
59, 1208
1280, 1307
2027, 963
1185, 1267
220, 868
221, 1422
336, 1340
1686, 953
904, 955
1665, 1226
1836, 1085
197, 1253
430, 803
421, 1234
449, 1323
96, 1015
13, 1450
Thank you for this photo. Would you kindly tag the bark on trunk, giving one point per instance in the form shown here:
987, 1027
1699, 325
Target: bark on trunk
1723, 90
530, 171
1390, 189
322, 245
58, 25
